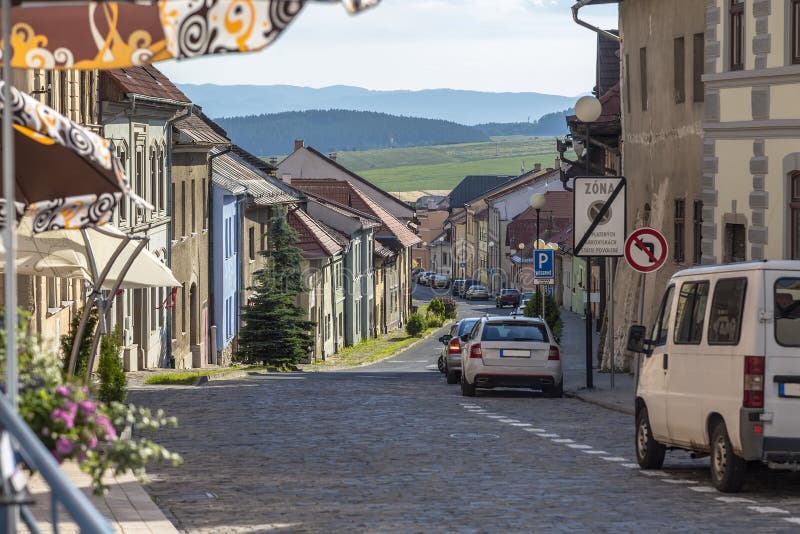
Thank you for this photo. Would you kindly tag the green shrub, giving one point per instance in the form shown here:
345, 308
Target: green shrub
552, 312
435, 307
85, 347
416, 324
435, 321
450, 308
113, 384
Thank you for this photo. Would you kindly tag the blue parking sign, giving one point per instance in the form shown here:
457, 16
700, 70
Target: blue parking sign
543, 264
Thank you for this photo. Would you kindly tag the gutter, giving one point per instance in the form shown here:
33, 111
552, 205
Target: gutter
582, 3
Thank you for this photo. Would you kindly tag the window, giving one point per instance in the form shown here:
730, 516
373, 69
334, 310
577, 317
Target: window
252, 238
643, 75
183, 308
191, 199
139, 172
263, 234
795, 31
725, 320
661, 326
697, 233
153, 179
123, 203
183, 209
737, 34
691, 313
787, 312
153, 312
698, 66
205, 208
628, 82
794, 214
679, 225
444, 258
63, 90
514, 332
679, 71
162, 205
734, 245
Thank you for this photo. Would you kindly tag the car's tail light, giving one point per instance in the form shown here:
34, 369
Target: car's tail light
475, 351
554, 355
454, 347
753, 381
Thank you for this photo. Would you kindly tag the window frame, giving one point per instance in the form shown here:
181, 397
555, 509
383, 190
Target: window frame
736, 17
698, 66
691, 300
738, 319
679, 69
794, 16
669, 297
794, 215
643, 76
697, 233
775, 322
679, 231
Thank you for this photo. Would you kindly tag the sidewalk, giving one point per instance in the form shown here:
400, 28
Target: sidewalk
126, 505
573, 350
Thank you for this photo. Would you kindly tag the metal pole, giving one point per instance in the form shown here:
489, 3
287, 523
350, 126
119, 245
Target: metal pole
535, 247
588, 290
610, 281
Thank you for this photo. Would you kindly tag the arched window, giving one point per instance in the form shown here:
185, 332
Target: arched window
122, 155
794, 215
162, 179
151, 196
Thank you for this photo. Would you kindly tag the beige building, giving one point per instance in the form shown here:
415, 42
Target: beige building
431, 224
751, 151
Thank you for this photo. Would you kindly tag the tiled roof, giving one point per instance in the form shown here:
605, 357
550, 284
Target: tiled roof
557, 203
347, 194
474, 186
198, 129
610, 101
381, 251
146, 80
524, 231
458, 217
366, 220
313, 240
607, 62
237, 176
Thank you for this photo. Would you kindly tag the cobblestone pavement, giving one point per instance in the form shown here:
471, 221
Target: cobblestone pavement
395, 449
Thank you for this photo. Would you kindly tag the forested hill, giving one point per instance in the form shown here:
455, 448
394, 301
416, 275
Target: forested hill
340, 130
550, 124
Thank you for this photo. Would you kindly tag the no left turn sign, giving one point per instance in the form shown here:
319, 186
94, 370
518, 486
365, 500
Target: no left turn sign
646, 250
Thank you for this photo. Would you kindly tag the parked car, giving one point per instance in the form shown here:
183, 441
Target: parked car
415, 272
517, 352
424, 278
439, 281
455, 288
450, 359
721, 372
468, 283
519, 310
477, 292
507, 297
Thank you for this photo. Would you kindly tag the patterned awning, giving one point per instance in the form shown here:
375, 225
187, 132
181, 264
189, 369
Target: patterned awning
110, 35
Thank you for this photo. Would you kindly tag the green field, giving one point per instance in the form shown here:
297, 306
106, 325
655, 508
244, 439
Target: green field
443, 166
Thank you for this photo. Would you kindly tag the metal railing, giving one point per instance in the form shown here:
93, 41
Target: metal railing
62, 490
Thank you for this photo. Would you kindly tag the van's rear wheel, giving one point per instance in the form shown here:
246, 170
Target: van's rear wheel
649, 452
727, 469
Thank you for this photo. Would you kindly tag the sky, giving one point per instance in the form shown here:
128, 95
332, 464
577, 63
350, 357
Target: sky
483, 45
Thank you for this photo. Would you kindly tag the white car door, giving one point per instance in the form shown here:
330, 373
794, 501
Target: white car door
652, 385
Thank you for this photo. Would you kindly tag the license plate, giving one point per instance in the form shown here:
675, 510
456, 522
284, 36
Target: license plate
789, 390
514, 353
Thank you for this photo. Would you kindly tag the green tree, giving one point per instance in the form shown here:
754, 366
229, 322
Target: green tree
552, 313
275, 329
416, 324
85, 346
113, 384
435, 307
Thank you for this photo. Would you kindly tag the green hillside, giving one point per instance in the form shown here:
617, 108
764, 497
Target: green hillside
443, 166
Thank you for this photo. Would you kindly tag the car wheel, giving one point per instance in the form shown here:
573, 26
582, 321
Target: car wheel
727, 469
555, 392
452, 377
467, 389
649, 452
440, 364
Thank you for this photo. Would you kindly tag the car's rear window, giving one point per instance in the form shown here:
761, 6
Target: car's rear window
510, 292
787, 312
466, 326
514, 332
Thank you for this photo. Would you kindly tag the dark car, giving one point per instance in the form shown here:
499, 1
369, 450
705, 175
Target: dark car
455, 288
468, 283
507, 297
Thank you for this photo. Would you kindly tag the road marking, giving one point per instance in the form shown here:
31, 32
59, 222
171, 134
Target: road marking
732, 500
595, 452
549, 435
578, 446
703, 489
496, 416
679, 481
563, 440
630, 466
504, 420
537, 430
654, 473
520, 424
615, 459
767, 510
795, 520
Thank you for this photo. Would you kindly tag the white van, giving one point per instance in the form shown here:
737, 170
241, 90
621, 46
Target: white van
721, 371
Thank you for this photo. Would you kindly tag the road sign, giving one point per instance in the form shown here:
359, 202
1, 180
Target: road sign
646, 250
543, 264
543, 281
548, 290
462, 264
599, 215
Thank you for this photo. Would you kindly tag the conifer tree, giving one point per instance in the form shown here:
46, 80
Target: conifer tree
276, 331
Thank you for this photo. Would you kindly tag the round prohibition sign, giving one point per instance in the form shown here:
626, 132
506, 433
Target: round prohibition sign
646, 250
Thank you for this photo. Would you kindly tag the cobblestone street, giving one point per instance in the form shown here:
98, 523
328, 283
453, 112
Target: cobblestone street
392, 448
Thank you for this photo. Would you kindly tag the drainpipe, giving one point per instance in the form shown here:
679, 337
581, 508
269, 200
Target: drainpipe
575, 8
210, 211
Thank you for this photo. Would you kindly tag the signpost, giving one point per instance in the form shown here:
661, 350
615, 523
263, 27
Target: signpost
600, 225
543, 272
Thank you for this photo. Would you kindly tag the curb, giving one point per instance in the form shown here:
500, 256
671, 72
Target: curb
392, 355
597, 402
205, 379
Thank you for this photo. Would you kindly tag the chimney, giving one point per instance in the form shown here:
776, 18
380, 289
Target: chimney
286, 177
537, 167
298, 144
332, 156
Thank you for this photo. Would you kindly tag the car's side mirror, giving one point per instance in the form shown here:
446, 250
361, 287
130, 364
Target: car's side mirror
464, 338
445, 339
637, 341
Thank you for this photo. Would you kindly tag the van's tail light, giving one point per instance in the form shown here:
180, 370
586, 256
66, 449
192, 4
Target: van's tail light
475, 351
454, 347
753, 381
554, 355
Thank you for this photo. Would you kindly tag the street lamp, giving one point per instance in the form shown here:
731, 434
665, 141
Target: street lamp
588, 109
538, 201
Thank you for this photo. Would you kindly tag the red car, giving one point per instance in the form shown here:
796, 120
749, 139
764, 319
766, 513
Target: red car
507, 297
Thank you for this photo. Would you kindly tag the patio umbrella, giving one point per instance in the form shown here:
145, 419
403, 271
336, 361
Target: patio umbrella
67, 176
110, 35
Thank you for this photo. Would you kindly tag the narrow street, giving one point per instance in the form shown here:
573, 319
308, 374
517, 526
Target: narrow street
392, 448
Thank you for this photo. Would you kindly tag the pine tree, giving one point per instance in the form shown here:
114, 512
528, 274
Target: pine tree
276, 331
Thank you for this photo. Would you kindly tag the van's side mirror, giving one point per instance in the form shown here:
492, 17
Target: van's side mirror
445, 339
637, 341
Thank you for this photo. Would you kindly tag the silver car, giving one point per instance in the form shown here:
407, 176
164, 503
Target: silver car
451, 352
477, 292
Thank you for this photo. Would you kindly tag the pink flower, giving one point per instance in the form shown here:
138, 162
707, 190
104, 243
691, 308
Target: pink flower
107, 427
67, 418
63, 447
87, 407
64, 391
93, 442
